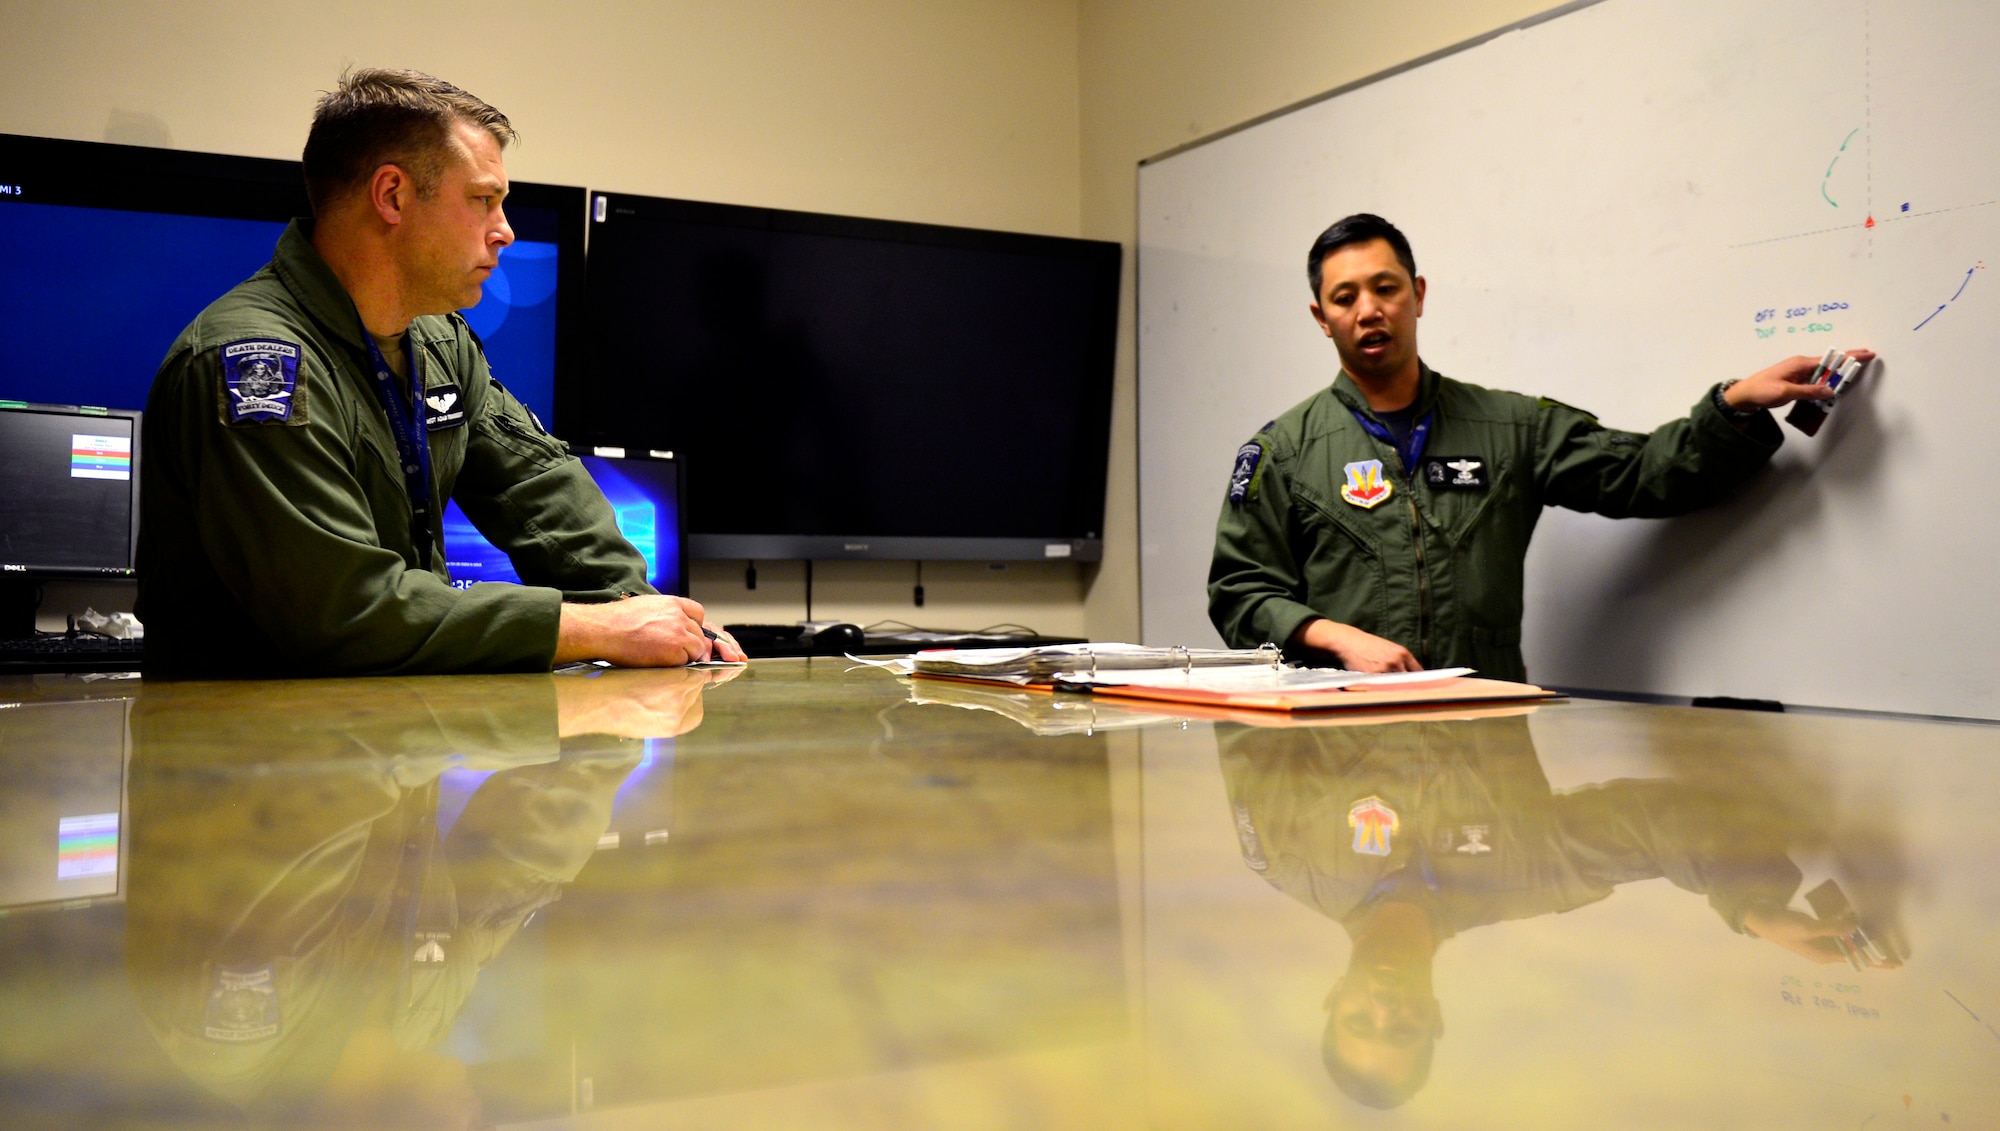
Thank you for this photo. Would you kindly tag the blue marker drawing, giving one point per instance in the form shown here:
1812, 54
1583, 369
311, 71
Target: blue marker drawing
1963, 283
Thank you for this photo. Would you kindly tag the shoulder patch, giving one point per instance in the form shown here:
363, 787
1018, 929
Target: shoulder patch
242, 1005
1551, 402
260, 381
1243, 476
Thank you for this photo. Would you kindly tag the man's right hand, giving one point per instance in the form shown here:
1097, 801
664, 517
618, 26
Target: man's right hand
638, 632
1357, 651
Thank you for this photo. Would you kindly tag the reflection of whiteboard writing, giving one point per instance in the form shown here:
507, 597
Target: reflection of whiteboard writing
1604, 203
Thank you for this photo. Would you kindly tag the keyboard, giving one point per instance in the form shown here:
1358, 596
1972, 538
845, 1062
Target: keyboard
84, 652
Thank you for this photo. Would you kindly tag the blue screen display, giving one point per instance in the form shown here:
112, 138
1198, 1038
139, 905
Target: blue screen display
643, 494
90, 299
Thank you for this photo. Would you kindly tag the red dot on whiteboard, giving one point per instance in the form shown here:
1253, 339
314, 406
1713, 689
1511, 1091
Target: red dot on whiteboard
1870, 223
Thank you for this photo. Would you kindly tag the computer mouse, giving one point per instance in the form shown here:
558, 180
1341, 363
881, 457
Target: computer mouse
838, 638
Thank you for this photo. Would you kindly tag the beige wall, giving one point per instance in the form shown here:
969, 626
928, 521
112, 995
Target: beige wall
1024, 115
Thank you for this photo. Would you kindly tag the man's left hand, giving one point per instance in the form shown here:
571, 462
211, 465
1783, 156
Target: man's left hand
1789, 380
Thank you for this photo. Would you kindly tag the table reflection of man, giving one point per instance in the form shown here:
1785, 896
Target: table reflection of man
1409, 833
301, 935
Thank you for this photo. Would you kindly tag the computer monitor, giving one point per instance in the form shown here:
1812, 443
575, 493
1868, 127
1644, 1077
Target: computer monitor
110, 250
852, 388
62, 827
645, 494
69, 501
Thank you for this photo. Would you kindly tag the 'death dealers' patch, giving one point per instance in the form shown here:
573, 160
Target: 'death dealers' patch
260, 381
1243, 476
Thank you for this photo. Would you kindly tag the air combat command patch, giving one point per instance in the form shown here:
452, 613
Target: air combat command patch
1243, 476
260, 378
1365, 486
1375, 826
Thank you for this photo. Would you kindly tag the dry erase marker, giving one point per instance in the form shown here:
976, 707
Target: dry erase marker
1824, 367
1807, 416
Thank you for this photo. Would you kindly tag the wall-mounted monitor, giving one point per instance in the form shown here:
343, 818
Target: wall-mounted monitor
645, 496
110, 250
849, 388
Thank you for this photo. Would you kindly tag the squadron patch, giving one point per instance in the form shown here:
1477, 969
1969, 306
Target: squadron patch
260, 377
1365, 487
1243, 476
444, 407
242, 1005
1375, 826
1456, 473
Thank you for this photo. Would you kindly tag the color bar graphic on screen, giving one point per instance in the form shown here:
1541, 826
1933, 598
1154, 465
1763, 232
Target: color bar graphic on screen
100, 457
87, 846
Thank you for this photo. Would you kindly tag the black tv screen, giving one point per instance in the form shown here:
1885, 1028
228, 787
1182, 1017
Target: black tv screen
845, 388
108, 251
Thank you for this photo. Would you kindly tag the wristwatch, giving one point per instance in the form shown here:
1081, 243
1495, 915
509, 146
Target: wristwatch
1729, 411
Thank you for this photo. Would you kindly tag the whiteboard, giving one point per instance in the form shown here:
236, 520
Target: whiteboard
1618, 207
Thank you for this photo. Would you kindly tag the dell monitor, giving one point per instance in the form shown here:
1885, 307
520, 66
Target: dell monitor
69, 501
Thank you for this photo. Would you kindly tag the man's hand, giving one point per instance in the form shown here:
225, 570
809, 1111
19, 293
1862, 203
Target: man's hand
1356, 650
634, 704
1803, 935
640, 632
1789, 380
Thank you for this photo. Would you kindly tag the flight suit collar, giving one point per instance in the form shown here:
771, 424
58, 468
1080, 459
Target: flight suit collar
1350, 394
309, 278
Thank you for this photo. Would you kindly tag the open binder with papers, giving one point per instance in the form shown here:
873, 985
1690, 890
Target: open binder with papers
1252, 679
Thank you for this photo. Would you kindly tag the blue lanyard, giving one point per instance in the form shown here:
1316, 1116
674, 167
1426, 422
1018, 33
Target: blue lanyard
1412, 450
412, 442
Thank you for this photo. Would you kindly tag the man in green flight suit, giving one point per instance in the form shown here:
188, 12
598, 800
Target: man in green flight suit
293, 487
1383, 523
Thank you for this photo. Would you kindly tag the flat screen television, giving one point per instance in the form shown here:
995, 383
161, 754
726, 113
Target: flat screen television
110, 250
851, 388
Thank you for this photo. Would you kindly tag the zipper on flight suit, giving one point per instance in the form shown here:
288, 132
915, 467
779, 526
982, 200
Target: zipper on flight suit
1423, 576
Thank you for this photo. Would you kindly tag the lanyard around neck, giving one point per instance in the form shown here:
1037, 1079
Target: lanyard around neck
1412, 449
413, 448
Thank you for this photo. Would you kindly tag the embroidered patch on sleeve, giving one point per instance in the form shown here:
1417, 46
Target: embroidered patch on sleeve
260, 380
1243, 476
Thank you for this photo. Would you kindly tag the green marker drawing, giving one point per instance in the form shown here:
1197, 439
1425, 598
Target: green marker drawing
1831, 164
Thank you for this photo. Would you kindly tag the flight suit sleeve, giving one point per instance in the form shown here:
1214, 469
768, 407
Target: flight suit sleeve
282, 513
524, 491
1682, 466
1256, 589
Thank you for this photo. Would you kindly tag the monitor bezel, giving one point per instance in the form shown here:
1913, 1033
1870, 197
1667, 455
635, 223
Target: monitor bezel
1105, 259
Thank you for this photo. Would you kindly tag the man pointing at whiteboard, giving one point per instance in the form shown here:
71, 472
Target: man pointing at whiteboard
1383, 523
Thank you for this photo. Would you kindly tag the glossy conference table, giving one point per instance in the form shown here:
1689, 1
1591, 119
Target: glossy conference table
813, 895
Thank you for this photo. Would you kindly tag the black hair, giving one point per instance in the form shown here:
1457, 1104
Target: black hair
1358, 228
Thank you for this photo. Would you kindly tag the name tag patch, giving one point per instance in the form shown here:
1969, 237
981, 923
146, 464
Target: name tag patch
444, 407
1457, 473
260, 377
1244, 473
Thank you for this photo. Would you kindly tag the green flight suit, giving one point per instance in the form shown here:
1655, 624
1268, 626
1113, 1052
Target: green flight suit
1436, 563
1475, 831
277, 541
